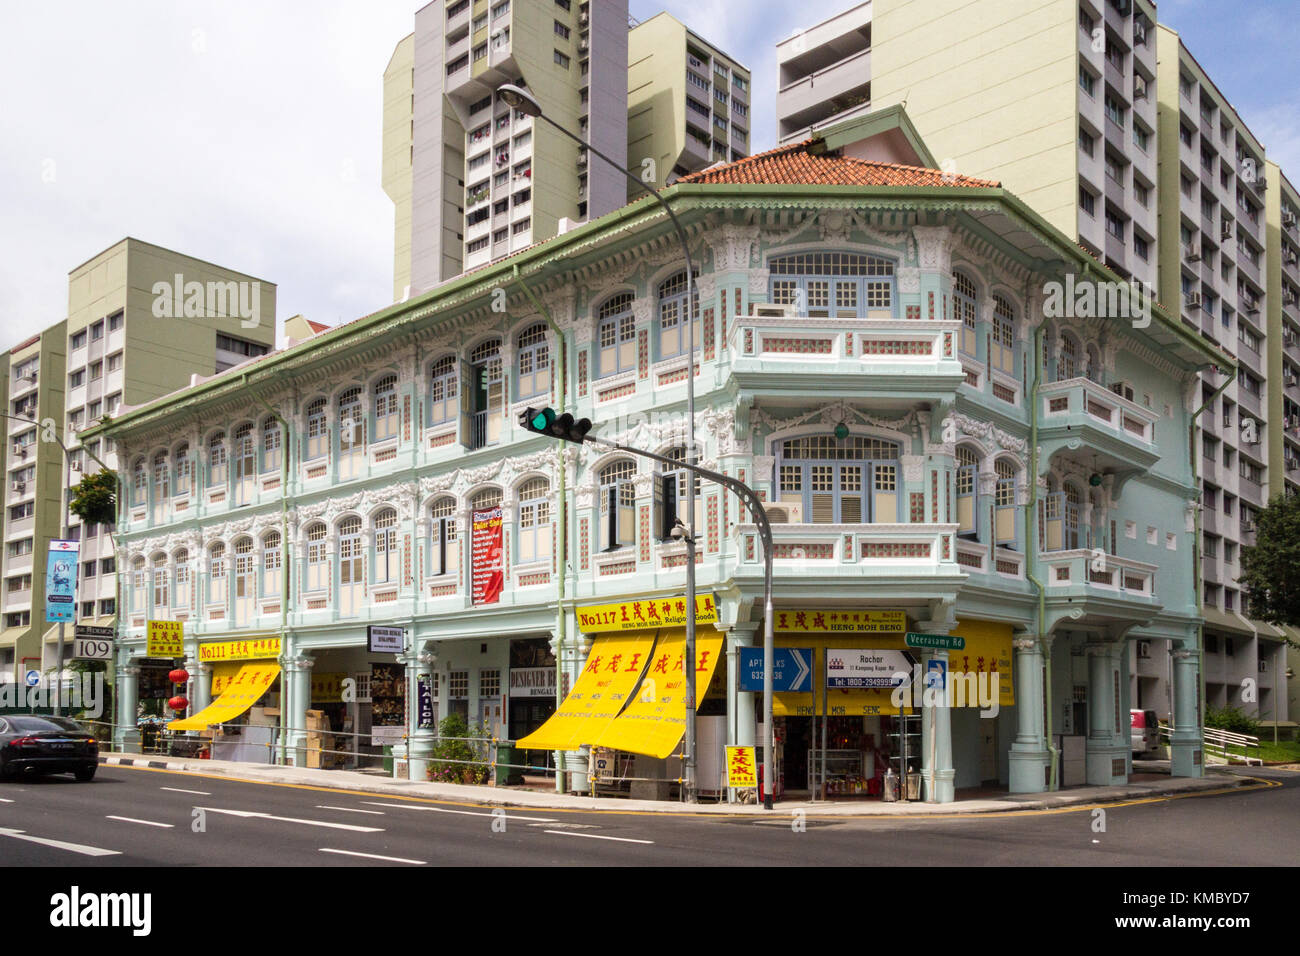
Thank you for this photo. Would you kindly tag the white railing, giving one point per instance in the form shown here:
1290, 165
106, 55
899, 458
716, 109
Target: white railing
1099, 570
821, 547
897, 341
1218, 743
1082, 396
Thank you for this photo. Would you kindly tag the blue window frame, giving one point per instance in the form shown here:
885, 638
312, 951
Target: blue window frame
532, 362
843, 285
616, 336
964, 304
672, 316
830, 481
317, 429
443, 381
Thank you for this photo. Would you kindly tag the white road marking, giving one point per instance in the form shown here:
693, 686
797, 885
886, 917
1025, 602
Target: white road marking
199, 793
321, 806
59, 844
468, 813
596, 836
253, 814
373, 856
148, 823
3, 800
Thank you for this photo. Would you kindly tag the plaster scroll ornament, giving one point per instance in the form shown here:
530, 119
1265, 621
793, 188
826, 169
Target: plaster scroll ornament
988, 432
584, 495
758, 281
913, 467
909, 280
733, 247
934, 244
988, 482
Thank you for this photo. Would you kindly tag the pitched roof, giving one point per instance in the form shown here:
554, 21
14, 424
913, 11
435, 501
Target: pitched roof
796, 165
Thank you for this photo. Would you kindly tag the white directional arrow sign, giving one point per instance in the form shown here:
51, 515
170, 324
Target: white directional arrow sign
253, 814
804, 668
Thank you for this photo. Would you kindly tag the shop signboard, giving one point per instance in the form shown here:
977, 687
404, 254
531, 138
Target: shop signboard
792, 669
424, 703
165, 639
485, 556
258, 648
61, 582
532, 682
645, 614
386, 640
866, 668
938, 642
387, 703
826, 621
327, 688
92, 643
741, 764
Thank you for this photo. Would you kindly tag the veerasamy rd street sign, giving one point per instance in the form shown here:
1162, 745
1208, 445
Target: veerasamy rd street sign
938, 642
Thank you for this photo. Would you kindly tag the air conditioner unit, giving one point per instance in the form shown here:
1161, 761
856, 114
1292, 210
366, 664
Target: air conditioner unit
1288, 218
1139, 89
784, 512
1252, 306
584, 45
1288, 298
1225, 231
582, 158
1193, 253
1291, 257
1143, 649
20, 486
584, 17
1193, 300
1139, 33
1291, 380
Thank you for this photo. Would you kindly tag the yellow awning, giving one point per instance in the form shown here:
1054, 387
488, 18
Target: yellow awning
655, 719
614, 666
243, 691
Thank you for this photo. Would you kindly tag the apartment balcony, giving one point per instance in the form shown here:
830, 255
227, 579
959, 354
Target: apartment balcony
1105, 581
1079, 415
974, 558
781, 351
888, 554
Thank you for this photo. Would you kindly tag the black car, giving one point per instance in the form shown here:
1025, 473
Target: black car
31, 745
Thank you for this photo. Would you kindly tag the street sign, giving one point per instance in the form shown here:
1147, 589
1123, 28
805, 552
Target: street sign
936, 674
938, 642
866, 668
32, 678
791, 670
92, 649
88, 630
61, 582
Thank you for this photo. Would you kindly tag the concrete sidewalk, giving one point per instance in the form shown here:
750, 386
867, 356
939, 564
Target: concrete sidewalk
1153, 785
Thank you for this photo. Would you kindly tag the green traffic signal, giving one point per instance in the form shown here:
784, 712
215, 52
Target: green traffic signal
544, 421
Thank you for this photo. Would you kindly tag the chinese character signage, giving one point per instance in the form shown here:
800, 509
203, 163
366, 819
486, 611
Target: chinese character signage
645, 615
741, 767
326, 688
250, 650
61, 582
813, 621
387, 703
165, 639
485, 556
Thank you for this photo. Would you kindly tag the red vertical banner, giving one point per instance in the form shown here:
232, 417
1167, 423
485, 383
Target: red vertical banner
486, 564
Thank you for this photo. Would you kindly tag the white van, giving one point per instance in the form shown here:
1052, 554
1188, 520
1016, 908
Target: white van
1144, 732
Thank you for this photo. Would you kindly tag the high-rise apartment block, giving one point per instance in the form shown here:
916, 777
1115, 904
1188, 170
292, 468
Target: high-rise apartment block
687, 103
1101, 119
473, 180
142, 321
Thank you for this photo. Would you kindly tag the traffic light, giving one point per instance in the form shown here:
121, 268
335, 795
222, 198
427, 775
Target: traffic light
544, 421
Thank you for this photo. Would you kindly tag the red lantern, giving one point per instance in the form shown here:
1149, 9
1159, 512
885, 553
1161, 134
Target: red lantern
179, 676
178, 703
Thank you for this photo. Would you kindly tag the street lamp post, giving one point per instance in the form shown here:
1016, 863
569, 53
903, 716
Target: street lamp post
517, 99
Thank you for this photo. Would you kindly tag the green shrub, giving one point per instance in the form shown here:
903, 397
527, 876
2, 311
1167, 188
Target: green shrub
452, 746
1231, 720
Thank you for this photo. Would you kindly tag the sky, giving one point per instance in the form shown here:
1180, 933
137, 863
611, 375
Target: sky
247, 132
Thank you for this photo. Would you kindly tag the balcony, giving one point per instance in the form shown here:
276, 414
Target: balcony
1085, 574
782, 350
1119, 433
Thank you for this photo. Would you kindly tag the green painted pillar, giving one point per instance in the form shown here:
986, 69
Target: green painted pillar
741, 704
202, 684
126, 738
576, 762
1029, 756
937, 772
421, 740
1106, 765
294, 710
1186, 758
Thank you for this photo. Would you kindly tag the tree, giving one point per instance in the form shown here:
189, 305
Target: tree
94, 499
1270, 570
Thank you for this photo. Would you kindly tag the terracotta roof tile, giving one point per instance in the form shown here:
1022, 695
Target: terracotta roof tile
794, 165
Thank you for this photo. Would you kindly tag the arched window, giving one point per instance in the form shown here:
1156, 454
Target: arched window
534, 521
271, 445
616, 336
443, 553
1003, 344
161, 592
618, 504
963, 300
181, 559
967, 464
139, 483
1073, 506
485, 499
351, 565
245, 579
442, 390
272, 558
1067, 358
489, 393
317, 557
317, 429
184, 469
833, 284
1004, 503
351, 419
139, 585
162, 486
672, 316
834, 481
533, 360
386, 417
244, 447
681, 477
217, 576
387, 556
217, 460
